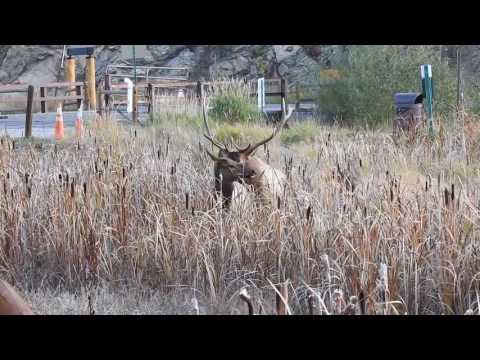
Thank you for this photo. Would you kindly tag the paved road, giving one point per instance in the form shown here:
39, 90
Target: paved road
42, 126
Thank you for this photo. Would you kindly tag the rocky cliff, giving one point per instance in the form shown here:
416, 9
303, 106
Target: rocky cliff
40, 64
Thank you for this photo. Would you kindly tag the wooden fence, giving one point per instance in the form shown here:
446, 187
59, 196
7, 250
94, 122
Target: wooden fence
148, 93
44, 96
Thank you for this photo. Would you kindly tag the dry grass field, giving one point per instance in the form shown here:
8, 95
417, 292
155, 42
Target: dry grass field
124, 221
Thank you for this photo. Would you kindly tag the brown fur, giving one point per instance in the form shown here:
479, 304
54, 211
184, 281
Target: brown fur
238, 166
11, 303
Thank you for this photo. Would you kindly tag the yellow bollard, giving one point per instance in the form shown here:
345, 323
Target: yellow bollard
91, 91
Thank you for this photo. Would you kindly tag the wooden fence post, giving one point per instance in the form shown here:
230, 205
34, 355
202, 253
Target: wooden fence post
107, 87
29, 114
135, 105
200, 92
297, 96
152, 106
43, 103
78, 91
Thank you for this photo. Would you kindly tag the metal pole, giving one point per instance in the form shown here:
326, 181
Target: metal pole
426, 72
458, 77
134, 66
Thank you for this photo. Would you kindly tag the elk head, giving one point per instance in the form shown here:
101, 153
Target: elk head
236, 165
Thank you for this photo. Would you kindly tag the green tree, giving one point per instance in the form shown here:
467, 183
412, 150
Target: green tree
369, 76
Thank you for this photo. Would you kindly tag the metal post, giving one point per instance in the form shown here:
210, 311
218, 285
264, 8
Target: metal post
458, 78
426, 72
261, 93
134, 67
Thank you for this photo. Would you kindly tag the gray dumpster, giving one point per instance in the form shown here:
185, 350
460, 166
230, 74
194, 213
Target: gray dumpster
408, 111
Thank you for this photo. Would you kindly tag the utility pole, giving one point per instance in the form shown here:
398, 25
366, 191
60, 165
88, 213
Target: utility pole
459, 78
134, 66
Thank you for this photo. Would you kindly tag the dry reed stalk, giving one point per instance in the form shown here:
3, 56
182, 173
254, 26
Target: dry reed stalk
247, 299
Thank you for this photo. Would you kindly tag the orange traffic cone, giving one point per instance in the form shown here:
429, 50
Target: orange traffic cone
59, 130
79, 123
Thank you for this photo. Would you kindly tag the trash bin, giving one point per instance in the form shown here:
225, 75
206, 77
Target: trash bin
408, 111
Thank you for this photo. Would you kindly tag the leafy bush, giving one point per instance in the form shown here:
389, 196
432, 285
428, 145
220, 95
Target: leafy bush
232, 109
368, 76
230, 101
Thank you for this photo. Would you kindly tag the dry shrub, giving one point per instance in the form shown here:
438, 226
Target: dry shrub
114, 210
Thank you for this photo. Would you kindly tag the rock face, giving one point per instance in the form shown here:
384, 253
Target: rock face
40, 64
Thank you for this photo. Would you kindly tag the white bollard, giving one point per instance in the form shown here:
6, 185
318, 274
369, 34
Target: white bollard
129, 95
261, 93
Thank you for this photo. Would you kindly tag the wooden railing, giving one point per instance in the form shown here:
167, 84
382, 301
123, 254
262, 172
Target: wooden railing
147, 93
43, 97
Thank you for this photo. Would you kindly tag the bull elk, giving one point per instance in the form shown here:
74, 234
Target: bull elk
238, 166
11, 303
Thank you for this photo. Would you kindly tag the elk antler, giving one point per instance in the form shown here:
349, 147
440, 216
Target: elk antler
250, 149
209, 135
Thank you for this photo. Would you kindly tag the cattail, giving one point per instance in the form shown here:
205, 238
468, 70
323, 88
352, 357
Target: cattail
72, 189
446, 197
13, 145
282, 303
186, 200
85, 189
135, 133
124, 173
309, 212
391, 194
91, 309
278, 202
338, 301
311, 305
361, 301
453, 193
29, 192
26, 178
